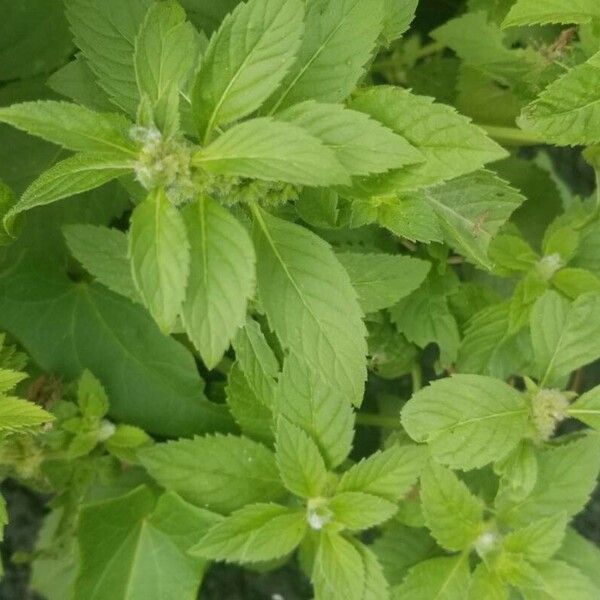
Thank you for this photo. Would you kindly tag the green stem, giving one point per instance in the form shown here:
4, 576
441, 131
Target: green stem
373, 420
417, 378
511, 136
429, 49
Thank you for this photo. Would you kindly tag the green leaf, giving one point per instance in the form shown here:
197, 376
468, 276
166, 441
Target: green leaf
151, 380
361, 144
452, 513
487, 584
18, 415
566, 478
358, 511
103, 253
310, 401
221, 279
468, 421
74, 175
567, 112
121, 539
246, 60
339, 39
574, 282
159, 252
471, 210
582, 554
538, 541
91, 396
299, 275
166, 52
301, 466
222, 473
376, 585
255, 533
273, 151
531, 12
409, 217
257, 360
105, 32
451, 145
397, 17
445, 578
71, 126
557, 580
587, 408
565, 337
380, 280
338, 569
389, 473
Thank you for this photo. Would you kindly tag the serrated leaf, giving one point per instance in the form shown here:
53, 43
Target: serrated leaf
452, 513
565, 337
587, 408
382, 279
358, 511
274, 151
557, 580
487, 584
468, 421
310, 303
221, 278
310, 401
397, 17
389, 473
105, 32
255, 533
159, 252
223, 473
74, 175
566, 477
445, 578
531, 12
410, 217
451, 144
471, 210
103, 254
361, 144
567, 112
246, 60
19, 415
376, 585
301, 466
72, 126
166, 52
538, 541
339, 39
120, 540
581, 553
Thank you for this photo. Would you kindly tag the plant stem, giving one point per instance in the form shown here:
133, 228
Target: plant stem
511, 136
417, 378
374, 420
429, 49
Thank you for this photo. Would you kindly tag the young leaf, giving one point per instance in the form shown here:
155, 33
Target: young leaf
567, 112
255, 533
221, 278
358, 511
246, 60
299, 275
565, 337
105, 32
74, 175
103, 253
121, 538
339, 39
471, 210
451, 145
274, 151
557, 580
445, 578
468, 421
301, 466
531, 12
452, 513
361, 144
72, 126
19, 415
166, 52
487, 584
160, 257
538, 541
587, 408
389, 473
381, 280
309, 400
223, 473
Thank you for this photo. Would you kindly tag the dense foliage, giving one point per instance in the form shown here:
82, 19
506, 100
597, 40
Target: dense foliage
295, 284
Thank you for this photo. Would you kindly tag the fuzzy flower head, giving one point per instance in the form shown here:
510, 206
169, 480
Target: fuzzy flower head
548, 409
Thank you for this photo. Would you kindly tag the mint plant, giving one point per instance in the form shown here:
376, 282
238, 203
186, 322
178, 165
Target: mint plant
304, 290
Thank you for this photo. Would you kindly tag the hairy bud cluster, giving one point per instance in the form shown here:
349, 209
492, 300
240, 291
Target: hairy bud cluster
547, 266
548, 409
318, 513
